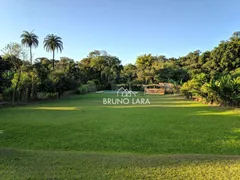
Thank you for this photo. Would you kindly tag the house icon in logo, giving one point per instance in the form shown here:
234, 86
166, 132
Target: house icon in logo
125, 92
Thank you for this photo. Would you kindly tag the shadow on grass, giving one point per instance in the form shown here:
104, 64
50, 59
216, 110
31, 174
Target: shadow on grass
22, 164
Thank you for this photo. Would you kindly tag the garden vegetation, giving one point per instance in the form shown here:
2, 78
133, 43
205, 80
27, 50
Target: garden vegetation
211, 76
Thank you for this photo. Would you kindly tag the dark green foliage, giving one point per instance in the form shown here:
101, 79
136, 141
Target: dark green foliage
5, 74
205, 74
225, 90
102, 68
86, 88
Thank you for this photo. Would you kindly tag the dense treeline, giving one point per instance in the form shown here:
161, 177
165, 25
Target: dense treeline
212, 76
215, 75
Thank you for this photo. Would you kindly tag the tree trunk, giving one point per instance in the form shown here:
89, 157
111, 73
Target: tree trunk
53, 60
16, 87
32, 91
31, 55
32, 86
59, 93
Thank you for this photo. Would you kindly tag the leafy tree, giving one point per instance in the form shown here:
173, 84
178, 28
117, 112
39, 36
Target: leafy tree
129, 73
12, 53
193, 86
145, 60
5, 74
111, 71
30, 40
102, 68
191, 62
236, 34
145, 71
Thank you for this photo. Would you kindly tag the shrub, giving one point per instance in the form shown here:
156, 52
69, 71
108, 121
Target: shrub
228, 90
193, 86
83, 89
91, 86
186, 90
8, 94
52, 95
225, 90
86, 88
45, 95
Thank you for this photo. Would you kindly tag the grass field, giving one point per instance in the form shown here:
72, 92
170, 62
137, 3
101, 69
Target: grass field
80, 138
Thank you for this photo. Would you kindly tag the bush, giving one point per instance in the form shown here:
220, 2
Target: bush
52, 95
228, 90
8, 94
193, 86
186, 90
44, 95
86, 88
224, 90
83, 89
69, 92
91, 86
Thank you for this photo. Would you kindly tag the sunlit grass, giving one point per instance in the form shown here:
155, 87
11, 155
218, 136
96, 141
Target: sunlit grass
55, 108
237, 130
118, 141
83, 123
223, 113
40, 165
154, 105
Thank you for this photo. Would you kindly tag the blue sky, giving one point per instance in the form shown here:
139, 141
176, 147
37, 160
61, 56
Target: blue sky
124, 28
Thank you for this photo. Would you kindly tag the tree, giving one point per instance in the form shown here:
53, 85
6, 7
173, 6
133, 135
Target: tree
53, 43
193, 86
111, 70
13, 53
96, 53
129, 73
172, 73
5, 72
236, 34
30, 40
100, 67
145, 60
145, 70
86, 70
162, 58
191, 63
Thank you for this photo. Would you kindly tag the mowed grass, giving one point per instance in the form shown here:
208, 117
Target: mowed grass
81, 138
77, 165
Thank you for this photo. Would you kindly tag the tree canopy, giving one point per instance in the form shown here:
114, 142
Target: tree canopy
206, 74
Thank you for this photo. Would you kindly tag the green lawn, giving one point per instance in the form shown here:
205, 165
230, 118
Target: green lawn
80, 138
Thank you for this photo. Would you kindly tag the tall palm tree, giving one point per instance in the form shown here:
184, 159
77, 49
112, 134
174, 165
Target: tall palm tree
53, 43
30, 40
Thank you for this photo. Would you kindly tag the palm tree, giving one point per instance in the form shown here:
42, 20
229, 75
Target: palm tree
30, 40
53, 43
